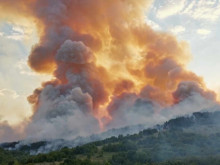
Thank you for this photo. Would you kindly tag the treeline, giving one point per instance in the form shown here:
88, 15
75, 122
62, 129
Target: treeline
148, 147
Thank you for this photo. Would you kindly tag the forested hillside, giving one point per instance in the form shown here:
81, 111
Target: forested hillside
192, 140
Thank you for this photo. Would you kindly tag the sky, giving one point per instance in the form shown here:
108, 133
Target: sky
195, 21
17, 80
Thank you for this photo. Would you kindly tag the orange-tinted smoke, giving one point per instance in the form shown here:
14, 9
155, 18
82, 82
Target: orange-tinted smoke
129, 57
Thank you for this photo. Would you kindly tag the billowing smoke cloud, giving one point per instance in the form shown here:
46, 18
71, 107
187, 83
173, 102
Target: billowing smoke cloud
110, 68
9, 133
187, 89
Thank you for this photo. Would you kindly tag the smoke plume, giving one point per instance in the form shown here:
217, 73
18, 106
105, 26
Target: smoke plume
110, 68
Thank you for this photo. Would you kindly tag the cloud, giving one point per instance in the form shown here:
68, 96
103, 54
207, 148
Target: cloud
10, 92
178, 29
203, 31
172, 7
18, 29
13, 106
153, 24
208, 10
17, 33
15, 36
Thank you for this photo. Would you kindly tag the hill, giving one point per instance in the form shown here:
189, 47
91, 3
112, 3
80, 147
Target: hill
56, 144
188, 140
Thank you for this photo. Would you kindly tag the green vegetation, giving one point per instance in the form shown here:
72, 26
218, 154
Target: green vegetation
176, 143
